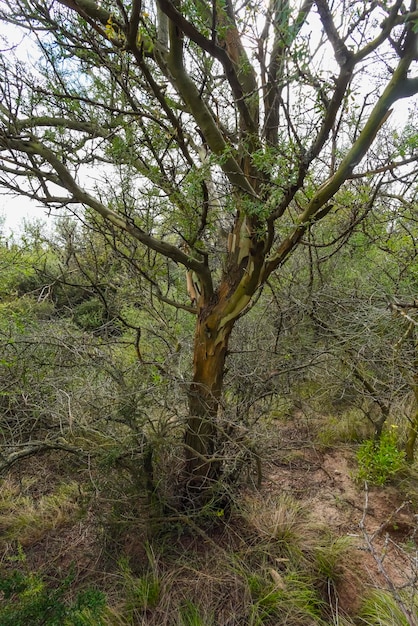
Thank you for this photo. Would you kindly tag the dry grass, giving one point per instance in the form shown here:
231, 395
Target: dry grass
26, 518
270, 563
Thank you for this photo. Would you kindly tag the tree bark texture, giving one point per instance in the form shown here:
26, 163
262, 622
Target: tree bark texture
202, 466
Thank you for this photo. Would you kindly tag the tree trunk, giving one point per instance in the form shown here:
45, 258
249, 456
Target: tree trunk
210, 349
218, 313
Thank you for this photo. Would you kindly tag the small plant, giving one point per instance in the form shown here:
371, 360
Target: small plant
379, 461
290, 598
190, 615
329, 557
281, 519
348, 427
141, 592
28, 601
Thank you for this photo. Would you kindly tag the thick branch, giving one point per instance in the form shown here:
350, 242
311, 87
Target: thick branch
284, 35
218, 53
201, 113
60, 122
37, 447
315, 209
341, 52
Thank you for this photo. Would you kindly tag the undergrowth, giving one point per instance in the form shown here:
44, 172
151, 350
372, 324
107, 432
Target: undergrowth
28, 600
379, 461
26, 518
263, 562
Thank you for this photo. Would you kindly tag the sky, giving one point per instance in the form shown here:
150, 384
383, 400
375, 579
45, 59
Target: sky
15, 211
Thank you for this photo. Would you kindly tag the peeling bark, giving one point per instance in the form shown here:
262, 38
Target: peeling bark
202, 466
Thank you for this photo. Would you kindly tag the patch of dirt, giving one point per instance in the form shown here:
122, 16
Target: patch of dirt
383, 527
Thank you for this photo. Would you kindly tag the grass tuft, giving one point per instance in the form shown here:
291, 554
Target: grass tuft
26, 519
381, 608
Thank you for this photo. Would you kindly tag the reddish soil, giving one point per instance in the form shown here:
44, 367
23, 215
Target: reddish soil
383, 524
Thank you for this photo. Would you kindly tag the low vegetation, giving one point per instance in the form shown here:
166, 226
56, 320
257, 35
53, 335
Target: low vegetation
269, 560
84, 547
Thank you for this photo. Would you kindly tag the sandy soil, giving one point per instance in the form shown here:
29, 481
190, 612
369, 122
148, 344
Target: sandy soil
381, 522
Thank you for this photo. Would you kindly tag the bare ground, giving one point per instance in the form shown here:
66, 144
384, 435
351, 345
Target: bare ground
382, 521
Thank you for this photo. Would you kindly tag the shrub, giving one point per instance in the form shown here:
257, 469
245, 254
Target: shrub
378, 461
28, 601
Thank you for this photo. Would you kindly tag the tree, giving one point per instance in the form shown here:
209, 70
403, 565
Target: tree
210, 135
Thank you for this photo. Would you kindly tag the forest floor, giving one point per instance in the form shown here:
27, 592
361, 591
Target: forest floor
102, 540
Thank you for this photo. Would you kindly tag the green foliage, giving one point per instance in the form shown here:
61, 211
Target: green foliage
408, 140
90, 314
379, 461
16, 269
144, 593
291, 598
329, 557
29, 601
265, 599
